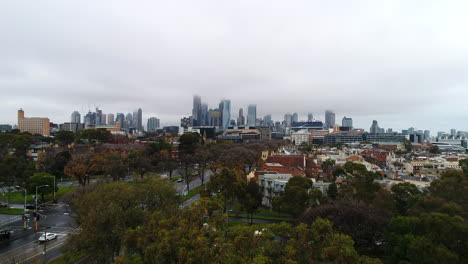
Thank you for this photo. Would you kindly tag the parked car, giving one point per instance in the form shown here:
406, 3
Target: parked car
50, 236
3, 204
5, 233
30, 206
180, 180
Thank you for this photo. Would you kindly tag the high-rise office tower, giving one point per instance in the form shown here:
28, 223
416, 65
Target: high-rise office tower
251, 115
329, 119
153, 124
110, 119
241, 118
374, 129
226, 114
214, 116
294, 118
267, 121
129, 119
90, 119
196, 111
139, 120
347, 122
453, 131
310, 117
120, 118
103, 119
98, 121
287, 120
427, 134
411, 130
204, 115
75, 117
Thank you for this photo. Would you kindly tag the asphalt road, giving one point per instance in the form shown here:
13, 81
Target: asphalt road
24, 246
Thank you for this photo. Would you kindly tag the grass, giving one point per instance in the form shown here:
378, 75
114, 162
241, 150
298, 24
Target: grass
18, 197
68, 257
193, 192
11, 211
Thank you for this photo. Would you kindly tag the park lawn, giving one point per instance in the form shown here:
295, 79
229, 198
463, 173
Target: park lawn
18, 197
11, 211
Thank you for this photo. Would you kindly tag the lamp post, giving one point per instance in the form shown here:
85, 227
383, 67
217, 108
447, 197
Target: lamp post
37, 188
54, 183
25, 196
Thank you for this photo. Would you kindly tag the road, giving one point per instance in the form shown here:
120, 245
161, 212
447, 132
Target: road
24, 247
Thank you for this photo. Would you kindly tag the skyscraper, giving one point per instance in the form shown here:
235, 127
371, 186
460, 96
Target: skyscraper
120, 118
453, 131
129, 119
226, 114
310, 117
90, 119
241, 118
252, 115
374, 129
153, 124
75, 117
110, 119
139, 120
294, 118
33, 125
329, 119
267, 121
204, 115
214, 117
103, 119
347, 122
196, 111
98, 119
287, 120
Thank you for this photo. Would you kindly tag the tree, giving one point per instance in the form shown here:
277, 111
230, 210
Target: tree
296, 197
139, 162
168, 163
332, 191
40, 179
250, 197
464, 165
113, 165
225, 184
405, 195
94, 136
202, 159
64, 137
434, 149
79, 168
451, 186
364, 223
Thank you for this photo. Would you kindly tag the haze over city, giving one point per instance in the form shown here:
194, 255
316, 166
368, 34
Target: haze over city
403, 64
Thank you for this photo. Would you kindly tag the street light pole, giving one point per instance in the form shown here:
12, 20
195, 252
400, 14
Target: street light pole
36, 222
25, 196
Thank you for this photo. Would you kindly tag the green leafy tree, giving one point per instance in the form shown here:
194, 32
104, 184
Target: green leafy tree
296, 197
225, 185
332, 191
64, 137
250, 197
39, 179
405, 195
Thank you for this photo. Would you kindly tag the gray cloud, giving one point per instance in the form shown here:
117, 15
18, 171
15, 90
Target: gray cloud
403, 63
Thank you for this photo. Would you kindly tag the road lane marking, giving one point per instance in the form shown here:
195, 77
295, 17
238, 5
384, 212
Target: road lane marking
40, 253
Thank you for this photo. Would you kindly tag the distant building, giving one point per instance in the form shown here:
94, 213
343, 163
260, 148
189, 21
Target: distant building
272, 185
374, 129
300, 137
315, 125
267, 122
33, 125
214, 117
310, 117
241, 118
342, 138
329, 119
89, 120
75, 127
120, 118
196, 111
226, 114
294, 118
5, 128
251, 116
129, 119
98, 117
347, 122
186, 122
453, 131
427, 135
75, 117
138, 120
110, 119
103, 119
153, 124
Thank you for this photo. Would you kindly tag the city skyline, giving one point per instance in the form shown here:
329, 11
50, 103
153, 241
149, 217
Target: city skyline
393, 62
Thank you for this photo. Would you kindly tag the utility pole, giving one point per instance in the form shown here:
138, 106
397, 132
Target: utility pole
36, 222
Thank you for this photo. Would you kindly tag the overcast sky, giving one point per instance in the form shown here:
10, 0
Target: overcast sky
403, 63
